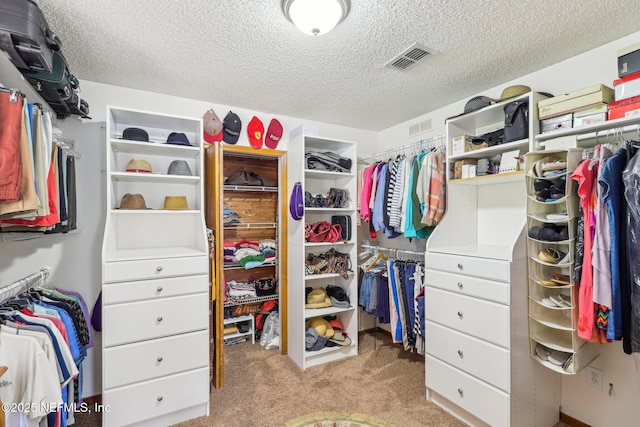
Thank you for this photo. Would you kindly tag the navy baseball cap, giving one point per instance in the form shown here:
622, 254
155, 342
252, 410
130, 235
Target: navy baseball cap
231, 127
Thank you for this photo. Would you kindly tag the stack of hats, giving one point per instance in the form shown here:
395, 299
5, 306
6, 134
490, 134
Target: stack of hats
322, 333
317, 298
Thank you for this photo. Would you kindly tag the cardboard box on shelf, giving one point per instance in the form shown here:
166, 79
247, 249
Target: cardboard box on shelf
457, 167
627, 86
577, 100
629, 60
624, 108
468, 171
554, 123
460, 144
589, 120
600, 108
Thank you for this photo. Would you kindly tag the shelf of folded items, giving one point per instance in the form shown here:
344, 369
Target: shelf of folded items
572, 157
325, 311
250, 188
237, 266
487, 152
232, 301
324, 276
322, 244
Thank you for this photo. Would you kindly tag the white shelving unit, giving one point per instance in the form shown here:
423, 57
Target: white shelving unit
235, 320
478, 365
155, 286
319, 182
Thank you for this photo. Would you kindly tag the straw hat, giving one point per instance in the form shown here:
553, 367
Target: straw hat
175, 203
138, 166
318, 298
132, 201
513, 91
322, 327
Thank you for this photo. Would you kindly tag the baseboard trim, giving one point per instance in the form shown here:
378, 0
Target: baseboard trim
92, 400
572, 421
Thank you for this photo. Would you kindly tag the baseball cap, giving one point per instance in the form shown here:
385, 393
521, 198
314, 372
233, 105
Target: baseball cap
231, 128
212, 127
274, 133
255, 131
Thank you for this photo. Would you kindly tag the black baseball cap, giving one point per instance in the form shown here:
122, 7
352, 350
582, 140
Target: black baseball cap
231, 127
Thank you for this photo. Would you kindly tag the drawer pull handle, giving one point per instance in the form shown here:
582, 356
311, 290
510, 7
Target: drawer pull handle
159, 318
460, 314
159, 289
460, 392
460, 285
460, 266
160, 398
160, 358
159, 269
460, 354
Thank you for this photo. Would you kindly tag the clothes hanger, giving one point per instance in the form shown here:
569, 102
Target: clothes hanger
377, 258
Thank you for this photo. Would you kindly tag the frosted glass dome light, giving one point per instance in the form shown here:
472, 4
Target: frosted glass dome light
315, 17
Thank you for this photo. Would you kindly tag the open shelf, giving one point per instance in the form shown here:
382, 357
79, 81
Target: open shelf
595, 127
153, 177
310, 313
483, 153
154, 148
312, 173
492, 179
251, 188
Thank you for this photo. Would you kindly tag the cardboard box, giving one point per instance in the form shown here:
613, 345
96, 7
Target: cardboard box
600, 108
577, 100
629, 60
625, 108
589, 120
554, 123
460, 144
468, 171
627, 87
457, 167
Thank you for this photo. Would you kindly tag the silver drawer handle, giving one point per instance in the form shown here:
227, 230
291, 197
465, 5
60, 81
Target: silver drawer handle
160, 398
159, 359
159, 318
460, 314
159, 269
459, 285
460, 392
460, 266
159, 289
460, 354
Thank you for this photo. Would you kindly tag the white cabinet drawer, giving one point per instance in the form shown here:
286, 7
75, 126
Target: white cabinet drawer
131, 363
119, 292
482, 319
137, 321
485, 402
155, 268
155, 398
467, 285
469, 266
488, 362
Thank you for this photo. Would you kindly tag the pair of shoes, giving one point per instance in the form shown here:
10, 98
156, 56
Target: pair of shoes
549, 191
547, 166
549, 233
557, 301
553, 256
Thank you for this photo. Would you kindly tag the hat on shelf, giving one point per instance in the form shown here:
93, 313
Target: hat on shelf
178, 138
477, 103
513, 91
338, 338
318, 298
255, 131
322, 327
179, 167
338, 296
135, 134
313, 341
212, 127
274, 133
132, 201
231, 127
175, 203
135, 165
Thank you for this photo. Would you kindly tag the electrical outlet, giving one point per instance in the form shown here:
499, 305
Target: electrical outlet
594, 377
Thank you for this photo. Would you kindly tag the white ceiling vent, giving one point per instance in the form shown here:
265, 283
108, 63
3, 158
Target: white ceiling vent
410, 57
420, 127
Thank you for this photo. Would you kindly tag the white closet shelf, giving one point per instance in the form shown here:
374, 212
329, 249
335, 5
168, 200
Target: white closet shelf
155, 212
325, 350
237, 335
238, 319
310, 313
550, 324
153, 253
154, 148
323, 276
607, 125
543, 218
321, 244
312, 173
483, 153
236, 266
153, 178
480, 251
239, 301
496, 178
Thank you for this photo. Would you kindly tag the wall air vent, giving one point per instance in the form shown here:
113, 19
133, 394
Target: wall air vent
409, 57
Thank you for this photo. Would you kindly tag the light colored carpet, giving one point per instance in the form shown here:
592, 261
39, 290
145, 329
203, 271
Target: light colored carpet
330, 419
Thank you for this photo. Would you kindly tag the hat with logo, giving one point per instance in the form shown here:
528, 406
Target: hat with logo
231, 127
135, 134
255, 131
178, 138
132, 201
179, 167
175, 203
212, 127
274, 133
138, 166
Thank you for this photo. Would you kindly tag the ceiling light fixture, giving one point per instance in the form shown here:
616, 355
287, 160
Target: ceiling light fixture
316, 17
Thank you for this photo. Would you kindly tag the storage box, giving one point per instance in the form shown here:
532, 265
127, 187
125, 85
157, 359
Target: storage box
460, 144
624, 108
627, 87
457, 167
561, 142
468, 171
629, 60
589, 120
578, 100
554, 123
600, 108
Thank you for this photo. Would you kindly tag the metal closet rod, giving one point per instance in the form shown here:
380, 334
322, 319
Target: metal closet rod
19, 286
392, 250
423, 142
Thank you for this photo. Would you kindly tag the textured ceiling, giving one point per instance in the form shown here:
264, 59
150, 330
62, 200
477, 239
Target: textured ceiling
245, 53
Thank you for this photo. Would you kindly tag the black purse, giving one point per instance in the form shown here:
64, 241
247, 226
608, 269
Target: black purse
265, 287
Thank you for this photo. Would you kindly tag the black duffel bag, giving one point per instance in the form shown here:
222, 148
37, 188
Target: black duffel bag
516, 121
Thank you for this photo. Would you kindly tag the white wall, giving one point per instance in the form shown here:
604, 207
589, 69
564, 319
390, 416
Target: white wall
76, 258
589, 405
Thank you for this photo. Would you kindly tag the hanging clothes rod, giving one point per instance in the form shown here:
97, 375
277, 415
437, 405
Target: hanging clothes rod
392, 250
433, 142
608, 132
33, 280
68, 145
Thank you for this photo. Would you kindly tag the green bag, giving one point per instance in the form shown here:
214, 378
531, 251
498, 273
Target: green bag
59, 88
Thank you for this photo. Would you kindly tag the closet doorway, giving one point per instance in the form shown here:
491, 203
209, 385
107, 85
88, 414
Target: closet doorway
246, 209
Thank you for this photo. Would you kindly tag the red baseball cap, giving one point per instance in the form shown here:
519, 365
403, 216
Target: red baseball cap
212, 127
274, 133
255, 130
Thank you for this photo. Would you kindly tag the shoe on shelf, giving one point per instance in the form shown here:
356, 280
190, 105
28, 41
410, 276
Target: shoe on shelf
543, 352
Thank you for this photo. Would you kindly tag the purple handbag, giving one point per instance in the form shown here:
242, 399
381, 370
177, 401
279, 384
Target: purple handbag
296, 203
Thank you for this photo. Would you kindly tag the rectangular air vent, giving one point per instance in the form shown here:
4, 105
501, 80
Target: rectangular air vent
420, 127
409, 57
